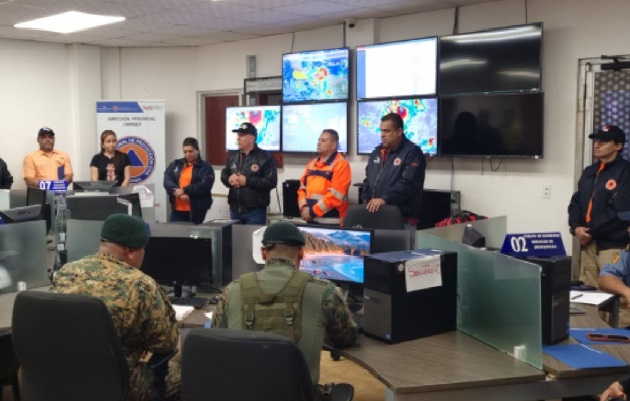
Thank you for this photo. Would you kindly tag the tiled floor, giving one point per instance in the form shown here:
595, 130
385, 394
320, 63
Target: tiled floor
366, 386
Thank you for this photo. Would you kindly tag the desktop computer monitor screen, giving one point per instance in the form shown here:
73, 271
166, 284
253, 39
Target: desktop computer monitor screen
23, 213
35, 196
335, 253
98, 186
178, 260
94, 207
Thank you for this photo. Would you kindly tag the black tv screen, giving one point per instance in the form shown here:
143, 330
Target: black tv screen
499, 60
501, 125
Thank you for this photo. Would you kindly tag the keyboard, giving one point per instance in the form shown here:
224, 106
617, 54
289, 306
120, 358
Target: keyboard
197, 302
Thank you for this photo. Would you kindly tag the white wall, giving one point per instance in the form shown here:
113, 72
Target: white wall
47, 84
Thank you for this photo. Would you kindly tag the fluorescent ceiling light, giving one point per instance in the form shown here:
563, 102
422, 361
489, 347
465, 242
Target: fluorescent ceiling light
71, 21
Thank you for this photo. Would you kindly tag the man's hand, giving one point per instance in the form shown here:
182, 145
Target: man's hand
178, 192
241, 180
581, 233
185, 198
233, 180
305, 214
374, 204
613, 391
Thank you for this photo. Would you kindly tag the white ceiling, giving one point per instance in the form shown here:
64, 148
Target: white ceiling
158, 23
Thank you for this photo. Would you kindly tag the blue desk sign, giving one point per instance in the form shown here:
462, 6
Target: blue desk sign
533, 244
53, 185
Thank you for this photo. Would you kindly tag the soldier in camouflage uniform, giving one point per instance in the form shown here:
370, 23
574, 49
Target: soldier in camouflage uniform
324, 311
140, 309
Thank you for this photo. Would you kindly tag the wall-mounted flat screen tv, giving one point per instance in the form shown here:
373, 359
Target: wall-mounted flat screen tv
420, 117
498, 60
303, 123
397, 69
266, 119
315, 75
500, 125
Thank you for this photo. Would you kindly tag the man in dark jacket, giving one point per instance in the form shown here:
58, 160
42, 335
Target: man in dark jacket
251, 174
395, 172
188, 183
603, 191
6, 179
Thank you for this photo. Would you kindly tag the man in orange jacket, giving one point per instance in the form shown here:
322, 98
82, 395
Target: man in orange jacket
323, 192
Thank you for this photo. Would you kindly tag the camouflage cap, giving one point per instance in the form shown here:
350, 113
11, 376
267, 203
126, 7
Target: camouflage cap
125, 230
283, 232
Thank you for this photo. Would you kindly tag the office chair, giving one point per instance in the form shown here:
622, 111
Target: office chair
8, 365
388, 217
69, 350
248, 366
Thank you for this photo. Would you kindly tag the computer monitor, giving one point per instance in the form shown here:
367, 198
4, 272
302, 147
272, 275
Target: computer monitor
38, 197
97, 186
303, 123
177, 261
335, 253
21, 214
95, 207
134, 200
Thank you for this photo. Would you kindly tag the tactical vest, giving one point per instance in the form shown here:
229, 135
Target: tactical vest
279, 313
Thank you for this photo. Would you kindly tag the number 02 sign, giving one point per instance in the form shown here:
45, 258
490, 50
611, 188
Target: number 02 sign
533, 244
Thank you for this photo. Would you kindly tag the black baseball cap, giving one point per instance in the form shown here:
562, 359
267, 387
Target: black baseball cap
45, 131
609, 133
247, 128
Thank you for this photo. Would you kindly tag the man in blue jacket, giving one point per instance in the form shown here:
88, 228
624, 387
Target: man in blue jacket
603, 191
395, 172
188, 183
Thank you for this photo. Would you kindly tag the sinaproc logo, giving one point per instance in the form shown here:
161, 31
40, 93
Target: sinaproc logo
142, 157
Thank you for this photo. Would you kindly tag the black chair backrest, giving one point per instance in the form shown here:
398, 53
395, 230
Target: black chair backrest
68, 348
228, 365
388, 217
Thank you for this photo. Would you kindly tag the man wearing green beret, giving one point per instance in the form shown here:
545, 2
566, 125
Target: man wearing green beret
283, 300
140, 309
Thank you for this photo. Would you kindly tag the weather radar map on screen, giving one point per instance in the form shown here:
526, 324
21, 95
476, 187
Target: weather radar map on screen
315, 75
303, 123
266, 119
335, 253
419, 116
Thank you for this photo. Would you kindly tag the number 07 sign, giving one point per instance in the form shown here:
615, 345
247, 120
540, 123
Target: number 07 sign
533, 244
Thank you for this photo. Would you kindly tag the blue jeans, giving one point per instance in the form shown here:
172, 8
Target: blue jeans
176, 215
253, 216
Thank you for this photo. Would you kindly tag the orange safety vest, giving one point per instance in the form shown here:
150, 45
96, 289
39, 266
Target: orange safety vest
324, 186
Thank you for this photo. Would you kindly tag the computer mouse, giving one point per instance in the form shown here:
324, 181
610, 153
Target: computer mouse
583, 287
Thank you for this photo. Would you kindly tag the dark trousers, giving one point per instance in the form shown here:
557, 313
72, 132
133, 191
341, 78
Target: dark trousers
252, 216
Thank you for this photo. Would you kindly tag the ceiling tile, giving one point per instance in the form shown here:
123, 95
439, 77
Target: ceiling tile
218, 9
314, 8
268, 17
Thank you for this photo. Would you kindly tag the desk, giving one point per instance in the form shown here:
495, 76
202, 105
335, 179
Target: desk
454, 367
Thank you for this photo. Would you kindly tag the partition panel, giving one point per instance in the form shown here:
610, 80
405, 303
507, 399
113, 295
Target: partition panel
23, 255
499, 299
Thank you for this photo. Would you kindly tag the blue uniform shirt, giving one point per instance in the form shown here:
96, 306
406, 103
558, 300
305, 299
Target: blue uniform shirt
620, 268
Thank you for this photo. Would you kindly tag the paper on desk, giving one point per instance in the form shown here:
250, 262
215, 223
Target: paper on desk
182, 311
423, 273
589, 297
208, 315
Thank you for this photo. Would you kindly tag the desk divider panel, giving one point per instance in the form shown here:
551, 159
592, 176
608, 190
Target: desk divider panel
83, 238
494, 229
23, 255
499, 298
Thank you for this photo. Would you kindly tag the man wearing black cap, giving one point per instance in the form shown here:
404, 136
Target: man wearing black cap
47, 163
320, 309
251, 174
603, 191
140, 309
188, 183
